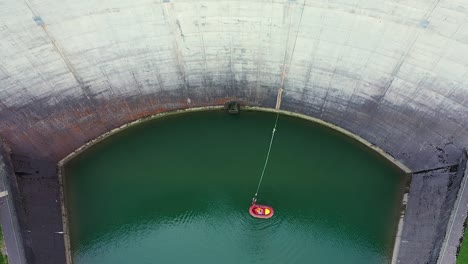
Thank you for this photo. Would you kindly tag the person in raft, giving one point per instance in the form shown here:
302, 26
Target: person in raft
258, 211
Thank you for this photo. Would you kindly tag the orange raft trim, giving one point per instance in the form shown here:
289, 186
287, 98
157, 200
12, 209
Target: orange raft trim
261, 211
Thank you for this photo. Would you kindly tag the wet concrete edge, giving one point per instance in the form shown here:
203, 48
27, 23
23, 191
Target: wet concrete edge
401, 220
61, 179
102, 137
248, 108
63, 204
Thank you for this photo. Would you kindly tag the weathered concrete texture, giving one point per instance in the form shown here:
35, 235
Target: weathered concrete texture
448, 207
430, 202
41, 216
455, 228
12, 233
60, 129
393, 72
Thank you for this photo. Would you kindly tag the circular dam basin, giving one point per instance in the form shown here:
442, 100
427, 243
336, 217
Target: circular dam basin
177, 189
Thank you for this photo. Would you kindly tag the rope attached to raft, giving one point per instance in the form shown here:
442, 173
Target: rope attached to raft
267, 158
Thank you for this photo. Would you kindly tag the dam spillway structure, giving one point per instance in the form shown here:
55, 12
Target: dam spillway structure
393, 73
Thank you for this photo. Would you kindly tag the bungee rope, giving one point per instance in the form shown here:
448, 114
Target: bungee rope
266, 160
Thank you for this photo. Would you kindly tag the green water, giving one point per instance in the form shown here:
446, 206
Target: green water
177, 190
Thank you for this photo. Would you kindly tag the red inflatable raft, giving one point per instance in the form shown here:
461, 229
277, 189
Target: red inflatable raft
261, 211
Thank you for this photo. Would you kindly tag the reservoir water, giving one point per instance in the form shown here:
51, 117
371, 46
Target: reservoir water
177, 190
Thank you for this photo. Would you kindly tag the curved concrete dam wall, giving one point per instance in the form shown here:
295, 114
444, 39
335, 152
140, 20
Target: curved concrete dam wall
393, 72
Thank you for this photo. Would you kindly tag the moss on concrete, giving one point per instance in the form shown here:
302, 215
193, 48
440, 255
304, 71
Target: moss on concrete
3, 257
462, 257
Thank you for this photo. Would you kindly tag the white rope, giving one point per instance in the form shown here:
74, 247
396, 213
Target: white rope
268, 155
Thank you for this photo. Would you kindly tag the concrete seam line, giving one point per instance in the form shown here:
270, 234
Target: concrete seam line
396, 245
66, 229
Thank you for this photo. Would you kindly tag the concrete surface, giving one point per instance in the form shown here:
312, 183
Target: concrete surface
392, 72
41, 218
431, 199
12, 233
397, 243
453, 237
